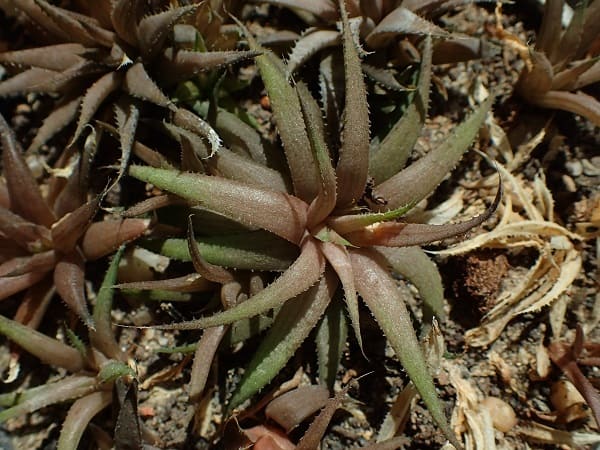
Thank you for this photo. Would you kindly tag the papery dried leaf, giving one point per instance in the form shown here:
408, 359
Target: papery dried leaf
252, 251
103, 337
153, 30
279, 213
78, 417
94, 97
50, 393
48, 350
139, 84
60, 117
300, 276
420, 178
67, 231
127, 115
292, 408
353, 161
103, 238
391, 155
54, 57
379, 291
25, 197
292, 325
69, 279
402, 21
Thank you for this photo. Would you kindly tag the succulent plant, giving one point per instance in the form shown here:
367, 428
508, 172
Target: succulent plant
99, 374
109, 48
46, 240
341, 210
563, 62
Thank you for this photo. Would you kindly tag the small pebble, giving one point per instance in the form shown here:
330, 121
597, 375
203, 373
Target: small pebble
575, 168
502, 414
23, 108
569, 183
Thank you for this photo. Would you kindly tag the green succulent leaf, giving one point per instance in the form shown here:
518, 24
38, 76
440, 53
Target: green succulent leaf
330, 338
292, 325
112, 370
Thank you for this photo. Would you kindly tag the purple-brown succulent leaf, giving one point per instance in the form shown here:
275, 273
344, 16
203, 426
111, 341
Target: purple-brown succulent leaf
353, 162
203, 357
69, 229
297, 317
355, 222
186, 64
103, 238
67, 23
290, 123
39, 262
579, 103
402, 21
94, 97
414, 264
153, 30
211, 272
48, 350
322, 9
190, 121
590, 28
325, 202
81, 412
339, 258
31, 80
400, 234
547, 37
568, 78
192, 282
298, 278
138, 83
292, 408
311, 42
570, 40
123, 14
379, 291
25, 197
418, 180
40, 18
11, 285
279, 213
237, 132
390, 156
152, 204
314, 434
57, 57
25, 234
71, 387
61, 116
127, 115
69, 279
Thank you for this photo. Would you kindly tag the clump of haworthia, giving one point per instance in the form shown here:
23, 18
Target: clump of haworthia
46, 239
342, 213
110, 47
563, 62
99, 374
387, 31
